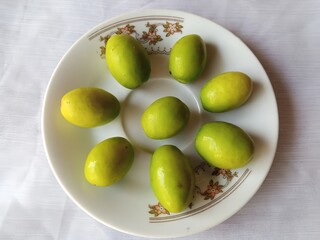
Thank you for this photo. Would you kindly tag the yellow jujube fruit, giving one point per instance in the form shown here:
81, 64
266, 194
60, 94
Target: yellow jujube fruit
165, 118
89, 107
224, 145
109, 161
127, 60
226, 91
188, 58
172, 178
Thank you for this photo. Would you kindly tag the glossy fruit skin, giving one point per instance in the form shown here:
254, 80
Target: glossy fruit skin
89, 107
165, 118
127, 60
109, 161
188, 58
172, 178
226, 91
224, 145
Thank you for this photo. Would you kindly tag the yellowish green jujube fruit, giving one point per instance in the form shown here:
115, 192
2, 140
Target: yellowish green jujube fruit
172, 178
89, 107
127, 60
226, 91
109, 161
188, 58
165, 118
224, 145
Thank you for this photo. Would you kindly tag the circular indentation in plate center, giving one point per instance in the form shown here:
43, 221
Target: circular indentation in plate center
139, 99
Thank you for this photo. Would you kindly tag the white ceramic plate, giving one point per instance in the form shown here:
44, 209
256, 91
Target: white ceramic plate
130, 206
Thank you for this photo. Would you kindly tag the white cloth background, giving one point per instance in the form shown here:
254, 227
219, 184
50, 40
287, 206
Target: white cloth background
34, 35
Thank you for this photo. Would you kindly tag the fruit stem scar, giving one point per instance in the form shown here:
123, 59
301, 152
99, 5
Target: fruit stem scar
180, 185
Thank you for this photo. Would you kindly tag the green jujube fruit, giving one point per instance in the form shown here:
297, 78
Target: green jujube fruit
89, 107
224, 145
172, 178
226, 91
188, 58
127, 60
109, 161
165, 118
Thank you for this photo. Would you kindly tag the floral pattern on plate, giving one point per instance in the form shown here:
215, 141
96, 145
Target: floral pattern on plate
212, 185
151, 35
